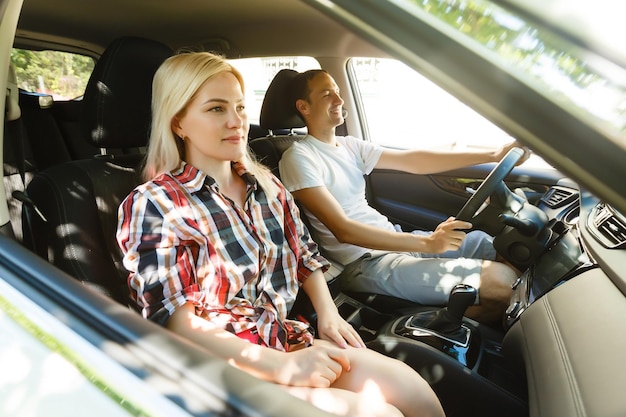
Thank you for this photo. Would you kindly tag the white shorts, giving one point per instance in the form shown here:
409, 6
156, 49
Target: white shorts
425, 279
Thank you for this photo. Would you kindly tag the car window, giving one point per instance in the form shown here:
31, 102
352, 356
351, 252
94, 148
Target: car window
580, 81
402, 109
63, 75
259, 72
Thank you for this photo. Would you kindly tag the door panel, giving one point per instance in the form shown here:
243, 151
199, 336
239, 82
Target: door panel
424, 201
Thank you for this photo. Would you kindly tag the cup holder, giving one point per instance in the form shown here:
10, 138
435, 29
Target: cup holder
365, 320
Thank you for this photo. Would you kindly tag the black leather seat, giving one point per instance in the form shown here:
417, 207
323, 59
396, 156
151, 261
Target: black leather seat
79, 199
278, 114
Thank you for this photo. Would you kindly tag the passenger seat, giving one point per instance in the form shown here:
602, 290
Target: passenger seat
278, 114
79, 199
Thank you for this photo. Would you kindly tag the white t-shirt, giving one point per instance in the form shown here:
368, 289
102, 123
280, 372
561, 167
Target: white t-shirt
313, 163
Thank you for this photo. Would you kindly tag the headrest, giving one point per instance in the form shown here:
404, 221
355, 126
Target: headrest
278, 110
118, 94
12, 109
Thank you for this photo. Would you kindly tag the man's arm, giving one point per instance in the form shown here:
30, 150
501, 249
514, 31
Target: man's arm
429, 162
320, 202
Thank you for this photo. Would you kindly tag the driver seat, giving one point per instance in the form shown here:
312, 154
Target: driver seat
278, 114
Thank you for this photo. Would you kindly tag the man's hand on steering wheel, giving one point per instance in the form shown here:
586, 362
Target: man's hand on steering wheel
448, 235
501, 153
493, 183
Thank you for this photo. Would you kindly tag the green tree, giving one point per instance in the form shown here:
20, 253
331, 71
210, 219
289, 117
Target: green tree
533, 50
61, 74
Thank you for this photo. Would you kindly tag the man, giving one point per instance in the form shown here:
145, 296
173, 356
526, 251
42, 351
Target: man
325, 173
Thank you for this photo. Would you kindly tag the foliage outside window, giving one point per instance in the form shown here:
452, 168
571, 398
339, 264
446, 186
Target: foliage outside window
63, 75
575, 79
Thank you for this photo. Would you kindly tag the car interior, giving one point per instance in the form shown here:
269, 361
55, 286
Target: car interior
69, 164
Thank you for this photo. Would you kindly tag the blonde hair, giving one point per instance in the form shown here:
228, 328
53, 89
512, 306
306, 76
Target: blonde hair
175, 84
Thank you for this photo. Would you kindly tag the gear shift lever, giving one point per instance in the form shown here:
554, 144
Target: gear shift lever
447, 321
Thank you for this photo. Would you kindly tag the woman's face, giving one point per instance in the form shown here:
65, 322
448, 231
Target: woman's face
214, 125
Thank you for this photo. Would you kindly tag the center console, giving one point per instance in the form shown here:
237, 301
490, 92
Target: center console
460, 358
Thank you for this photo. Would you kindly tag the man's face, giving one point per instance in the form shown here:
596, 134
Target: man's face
324, 107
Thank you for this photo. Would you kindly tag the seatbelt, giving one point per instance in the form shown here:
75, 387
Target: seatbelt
13, 120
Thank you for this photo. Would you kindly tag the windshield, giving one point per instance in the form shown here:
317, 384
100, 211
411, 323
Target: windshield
575, 79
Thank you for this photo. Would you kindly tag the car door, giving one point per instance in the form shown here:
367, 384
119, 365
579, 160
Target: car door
424, 201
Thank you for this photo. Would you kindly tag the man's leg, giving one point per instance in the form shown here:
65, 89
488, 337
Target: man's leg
496, 278
428, 281
495, 293
425, 281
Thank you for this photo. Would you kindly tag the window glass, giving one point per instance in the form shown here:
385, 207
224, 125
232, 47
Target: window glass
63, 75
259, 72
576, 79
403, 109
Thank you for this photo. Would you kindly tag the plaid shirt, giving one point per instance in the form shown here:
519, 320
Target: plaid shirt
183, 241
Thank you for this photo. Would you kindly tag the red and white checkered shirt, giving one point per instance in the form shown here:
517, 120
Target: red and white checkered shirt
183, 241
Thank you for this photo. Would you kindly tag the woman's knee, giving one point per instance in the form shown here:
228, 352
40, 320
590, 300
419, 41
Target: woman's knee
380, 377
342, 402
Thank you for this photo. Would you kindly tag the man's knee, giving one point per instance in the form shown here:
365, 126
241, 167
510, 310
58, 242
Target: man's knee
496, 281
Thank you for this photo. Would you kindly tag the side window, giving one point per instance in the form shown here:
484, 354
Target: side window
403, 110
406, 110
63, 75
259, 72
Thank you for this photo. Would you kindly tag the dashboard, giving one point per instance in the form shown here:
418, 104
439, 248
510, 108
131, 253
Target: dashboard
561, 352
566, 255
566, 332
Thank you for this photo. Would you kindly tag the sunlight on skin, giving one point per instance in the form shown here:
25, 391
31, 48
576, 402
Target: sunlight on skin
371, 399
369, 402
251, 353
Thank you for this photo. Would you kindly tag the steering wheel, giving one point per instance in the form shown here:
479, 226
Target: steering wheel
494, 180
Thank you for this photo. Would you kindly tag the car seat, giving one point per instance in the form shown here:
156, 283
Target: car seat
278, 115
78, 200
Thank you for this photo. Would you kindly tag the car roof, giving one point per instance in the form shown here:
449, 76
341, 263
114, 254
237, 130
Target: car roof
226, 25
284, 27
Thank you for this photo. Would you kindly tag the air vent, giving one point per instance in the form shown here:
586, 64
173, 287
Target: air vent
610, 227
558, 196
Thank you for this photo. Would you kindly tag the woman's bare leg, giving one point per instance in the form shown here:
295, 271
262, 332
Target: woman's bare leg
345, 403
378, 379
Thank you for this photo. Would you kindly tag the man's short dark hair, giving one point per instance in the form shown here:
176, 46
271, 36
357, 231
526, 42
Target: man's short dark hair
300, 85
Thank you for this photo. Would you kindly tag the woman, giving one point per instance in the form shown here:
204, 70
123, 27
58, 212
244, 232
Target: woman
217, 253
